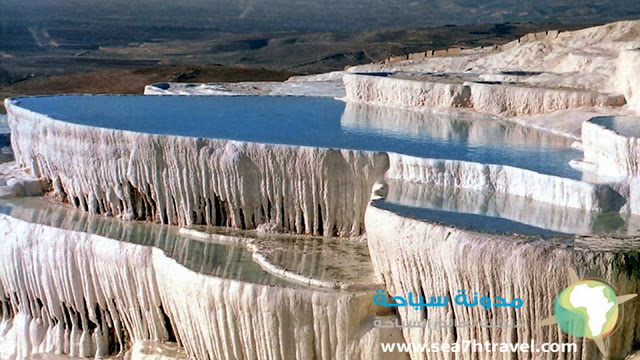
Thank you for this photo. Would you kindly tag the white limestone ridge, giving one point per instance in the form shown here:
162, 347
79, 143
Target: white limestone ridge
594, 67
326, 85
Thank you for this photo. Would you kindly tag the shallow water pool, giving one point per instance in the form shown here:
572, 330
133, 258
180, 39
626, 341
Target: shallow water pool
229, 261
497, 213
319, 122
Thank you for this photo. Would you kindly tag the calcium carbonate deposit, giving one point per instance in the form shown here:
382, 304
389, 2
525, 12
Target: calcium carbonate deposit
289, 220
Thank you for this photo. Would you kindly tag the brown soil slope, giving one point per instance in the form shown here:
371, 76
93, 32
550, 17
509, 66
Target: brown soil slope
132, 81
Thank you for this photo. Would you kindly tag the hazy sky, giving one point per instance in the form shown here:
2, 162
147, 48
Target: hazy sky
316, 15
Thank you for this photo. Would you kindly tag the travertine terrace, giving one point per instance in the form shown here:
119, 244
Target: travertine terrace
492, 170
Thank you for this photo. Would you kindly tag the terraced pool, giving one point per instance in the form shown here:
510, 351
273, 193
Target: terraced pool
318, 122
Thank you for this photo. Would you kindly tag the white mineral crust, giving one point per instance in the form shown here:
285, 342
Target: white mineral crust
325, 85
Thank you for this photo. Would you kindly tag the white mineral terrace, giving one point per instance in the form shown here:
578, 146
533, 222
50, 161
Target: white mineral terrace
284, 209
428, 258
327, 85
83, 285
308, 164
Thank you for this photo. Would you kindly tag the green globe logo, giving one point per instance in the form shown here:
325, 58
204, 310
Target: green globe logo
586, 309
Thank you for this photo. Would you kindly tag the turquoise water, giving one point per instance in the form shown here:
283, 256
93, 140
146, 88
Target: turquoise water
498, 213
229, 261
627, 126
317, 122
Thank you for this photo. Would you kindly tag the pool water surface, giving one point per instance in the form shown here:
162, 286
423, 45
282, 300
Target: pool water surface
311, 121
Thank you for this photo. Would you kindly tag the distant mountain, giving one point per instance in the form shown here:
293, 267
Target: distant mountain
44, 37
306, 15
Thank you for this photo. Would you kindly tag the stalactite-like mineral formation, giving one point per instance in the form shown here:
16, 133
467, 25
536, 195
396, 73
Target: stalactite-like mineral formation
184, 180
437, 260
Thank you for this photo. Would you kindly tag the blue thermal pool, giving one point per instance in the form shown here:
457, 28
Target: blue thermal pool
231, 261
626, 126
497, 213
318, 122
215, 256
